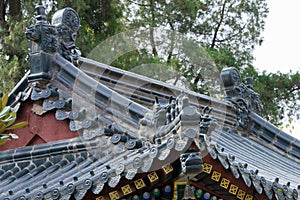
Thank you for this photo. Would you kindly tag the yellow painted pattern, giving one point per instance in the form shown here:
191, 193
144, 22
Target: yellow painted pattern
207, 168
224, 183
100, 198
126, 189
114, 195
216, 176
233, 189
152, 177
241, 194
249, 197
139, 184
167, 169
175, 188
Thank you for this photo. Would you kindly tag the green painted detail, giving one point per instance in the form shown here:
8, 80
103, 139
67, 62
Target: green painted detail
156, 192
198, 193
135, 197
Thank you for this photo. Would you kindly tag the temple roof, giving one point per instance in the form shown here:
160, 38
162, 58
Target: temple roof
121, 136
87, 157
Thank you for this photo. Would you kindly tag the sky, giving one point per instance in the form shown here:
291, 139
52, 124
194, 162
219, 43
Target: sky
281, 47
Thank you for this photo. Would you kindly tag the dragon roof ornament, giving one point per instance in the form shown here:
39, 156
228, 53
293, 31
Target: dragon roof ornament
242, 95
47, 39
239, 93
167, 129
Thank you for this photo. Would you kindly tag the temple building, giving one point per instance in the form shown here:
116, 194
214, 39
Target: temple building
89, 138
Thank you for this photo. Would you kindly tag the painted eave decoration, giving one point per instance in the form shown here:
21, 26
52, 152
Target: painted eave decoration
88, 139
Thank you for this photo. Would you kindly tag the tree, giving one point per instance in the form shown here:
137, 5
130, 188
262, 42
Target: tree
15, 18
99, 19
222, 25
280, 94
226, 30
229, 31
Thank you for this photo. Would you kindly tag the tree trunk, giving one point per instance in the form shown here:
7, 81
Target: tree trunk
2, 13
198, 78
15, 9
170, 52
154, 51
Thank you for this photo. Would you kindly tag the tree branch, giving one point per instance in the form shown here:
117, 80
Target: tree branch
219, 25
231, 36
139, 4
294, 88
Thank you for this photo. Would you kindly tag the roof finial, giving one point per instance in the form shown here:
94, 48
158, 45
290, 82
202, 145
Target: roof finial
41, 14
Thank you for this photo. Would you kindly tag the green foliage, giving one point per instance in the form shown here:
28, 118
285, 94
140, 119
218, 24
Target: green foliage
98, 20
280, 95
222, 57
14, 46
7, 121
233, 27
8, 68
226, 30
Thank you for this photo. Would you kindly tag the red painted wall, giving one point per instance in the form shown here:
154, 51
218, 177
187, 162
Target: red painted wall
41, 129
